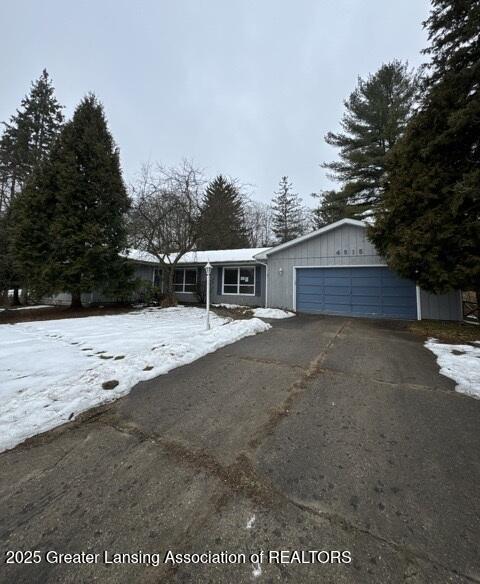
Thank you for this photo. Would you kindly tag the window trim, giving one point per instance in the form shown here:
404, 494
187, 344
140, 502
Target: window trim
238, 268
183, 291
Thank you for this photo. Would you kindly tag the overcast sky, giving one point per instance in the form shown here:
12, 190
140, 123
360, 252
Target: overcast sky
246, 88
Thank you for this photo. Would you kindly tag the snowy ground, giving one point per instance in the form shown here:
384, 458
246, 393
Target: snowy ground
33, 307
459, 362
275, 313
50, 371
272, 313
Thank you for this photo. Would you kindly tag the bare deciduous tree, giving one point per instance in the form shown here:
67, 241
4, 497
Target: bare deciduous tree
164, 218
258, 222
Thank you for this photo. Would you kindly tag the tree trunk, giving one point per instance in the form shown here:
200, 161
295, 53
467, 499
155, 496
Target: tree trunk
170, 298
477, 312
76, 300
16, 297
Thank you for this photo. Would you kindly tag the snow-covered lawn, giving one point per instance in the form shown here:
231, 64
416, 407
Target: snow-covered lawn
459, 362
272, 313
50, 371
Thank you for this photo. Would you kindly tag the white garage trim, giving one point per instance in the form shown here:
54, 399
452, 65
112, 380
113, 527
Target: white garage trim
295, 268
419, 303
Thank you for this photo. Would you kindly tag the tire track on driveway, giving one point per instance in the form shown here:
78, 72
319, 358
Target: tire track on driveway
295, 390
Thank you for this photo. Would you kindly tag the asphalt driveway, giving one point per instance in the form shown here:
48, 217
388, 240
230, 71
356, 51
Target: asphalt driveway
321, 434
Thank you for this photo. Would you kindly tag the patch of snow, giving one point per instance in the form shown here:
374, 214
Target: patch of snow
250, 522
272, 313
230, 306
257, 569
31, 307
200, 257
460, 363
51, 371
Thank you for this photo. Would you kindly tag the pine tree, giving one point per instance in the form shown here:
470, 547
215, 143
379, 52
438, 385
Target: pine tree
428, 226
288, 214
222, 221
70, 219
28, 137
332, 208
376, 115
26, 141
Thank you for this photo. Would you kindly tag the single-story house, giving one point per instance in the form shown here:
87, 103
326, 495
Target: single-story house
236, 278
334, 270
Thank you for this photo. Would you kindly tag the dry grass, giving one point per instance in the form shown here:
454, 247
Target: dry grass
454, 332
11, 315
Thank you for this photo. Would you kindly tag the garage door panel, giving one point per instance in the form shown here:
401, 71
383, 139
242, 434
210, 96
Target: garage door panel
336, 291
337, 281
337, 309
311, 298
366, 291
374, 291
367, 301
340, 300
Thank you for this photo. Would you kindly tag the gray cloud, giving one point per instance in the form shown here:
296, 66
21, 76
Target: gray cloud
247, 88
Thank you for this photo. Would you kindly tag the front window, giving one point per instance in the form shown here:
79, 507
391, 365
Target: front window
157, 277
239, 281
185, 280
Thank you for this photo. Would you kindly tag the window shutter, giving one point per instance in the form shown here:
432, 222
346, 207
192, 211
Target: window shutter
219, 280
258, 280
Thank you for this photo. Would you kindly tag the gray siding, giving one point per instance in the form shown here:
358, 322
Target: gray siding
145, 272
327, 249
216, 298
441, 306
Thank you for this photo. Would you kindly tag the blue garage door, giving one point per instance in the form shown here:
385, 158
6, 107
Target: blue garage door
355, 292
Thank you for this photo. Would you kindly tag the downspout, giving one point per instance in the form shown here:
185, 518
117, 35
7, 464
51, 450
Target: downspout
266, 282
419, 302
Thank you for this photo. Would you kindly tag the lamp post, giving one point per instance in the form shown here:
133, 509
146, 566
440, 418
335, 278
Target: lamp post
208, 270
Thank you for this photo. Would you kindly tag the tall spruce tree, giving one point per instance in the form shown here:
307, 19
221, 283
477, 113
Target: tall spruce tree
222, 220
428, 225
28, 136
376, 115
332, 207
25, 142
288, 213
69, 222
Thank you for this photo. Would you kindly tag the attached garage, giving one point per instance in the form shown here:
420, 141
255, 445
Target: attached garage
355, 291
338, 270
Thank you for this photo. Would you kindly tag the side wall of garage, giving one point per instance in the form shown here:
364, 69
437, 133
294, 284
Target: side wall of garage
441, 306
345, 246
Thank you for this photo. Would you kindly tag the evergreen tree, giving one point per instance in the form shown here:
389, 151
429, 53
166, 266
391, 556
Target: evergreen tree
288, 214
69, 223
376, 115
332, 208
26, 141
222, 220
28, 137
428, 226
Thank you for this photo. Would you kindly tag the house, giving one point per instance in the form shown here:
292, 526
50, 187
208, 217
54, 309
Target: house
334, 270
237, 277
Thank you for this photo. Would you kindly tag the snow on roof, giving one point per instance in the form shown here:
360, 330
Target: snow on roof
202, 257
